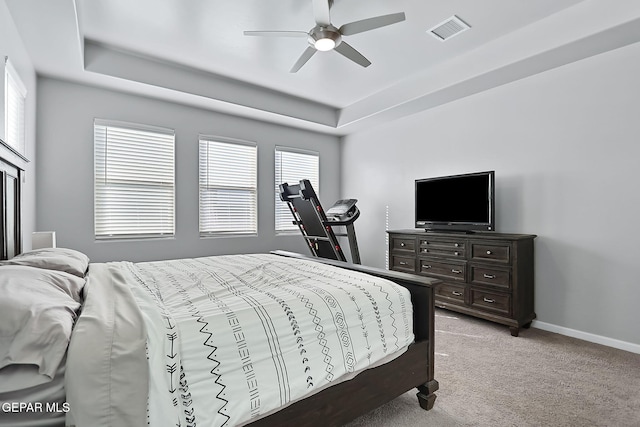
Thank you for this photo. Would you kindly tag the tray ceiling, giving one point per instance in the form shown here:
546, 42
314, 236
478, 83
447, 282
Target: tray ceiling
195, 52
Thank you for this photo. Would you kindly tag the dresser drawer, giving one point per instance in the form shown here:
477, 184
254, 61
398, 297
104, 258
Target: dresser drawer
451, 293
446, 270
403, 263
402, 244
488, 276
447, 248
491, 252
490, 301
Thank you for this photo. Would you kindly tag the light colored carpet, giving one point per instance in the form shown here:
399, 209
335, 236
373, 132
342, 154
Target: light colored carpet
489, 378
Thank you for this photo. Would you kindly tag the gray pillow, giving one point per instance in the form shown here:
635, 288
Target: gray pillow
61, 259
37, 313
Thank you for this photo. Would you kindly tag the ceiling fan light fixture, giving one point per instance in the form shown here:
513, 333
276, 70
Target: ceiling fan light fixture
324, 38
324, 44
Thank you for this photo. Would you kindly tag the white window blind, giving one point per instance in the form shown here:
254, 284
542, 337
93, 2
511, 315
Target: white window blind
134, 180
292, 165
15, 98
228, 186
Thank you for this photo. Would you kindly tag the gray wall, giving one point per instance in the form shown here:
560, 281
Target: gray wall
565, 148
11, 45
65, 173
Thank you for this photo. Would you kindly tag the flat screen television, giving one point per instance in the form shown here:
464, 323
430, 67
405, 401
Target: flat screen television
463, 203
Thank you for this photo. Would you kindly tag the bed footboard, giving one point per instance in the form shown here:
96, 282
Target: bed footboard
414, 369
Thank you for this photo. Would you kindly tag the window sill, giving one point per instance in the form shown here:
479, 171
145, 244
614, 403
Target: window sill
121, 239
223, 235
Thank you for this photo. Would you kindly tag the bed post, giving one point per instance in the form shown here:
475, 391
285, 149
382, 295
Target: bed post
10, 208
423, 298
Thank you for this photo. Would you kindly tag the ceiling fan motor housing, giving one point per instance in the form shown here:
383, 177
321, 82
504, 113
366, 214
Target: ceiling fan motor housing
323, 34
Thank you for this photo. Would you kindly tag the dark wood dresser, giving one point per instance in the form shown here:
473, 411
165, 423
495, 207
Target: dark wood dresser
484, 274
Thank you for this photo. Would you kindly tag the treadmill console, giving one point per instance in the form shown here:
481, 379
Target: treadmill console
342, 210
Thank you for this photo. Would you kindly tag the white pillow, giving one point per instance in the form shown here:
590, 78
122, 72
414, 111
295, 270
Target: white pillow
37, 311
61, 259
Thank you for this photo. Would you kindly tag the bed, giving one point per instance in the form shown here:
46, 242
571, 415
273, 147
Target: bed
172, 343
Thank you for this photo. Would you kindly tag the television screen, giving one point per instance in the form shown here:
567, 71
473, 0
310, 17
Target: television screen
458, 202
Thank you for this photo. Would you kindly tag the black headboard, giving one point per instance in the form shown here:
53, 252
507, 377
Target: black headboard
10, 209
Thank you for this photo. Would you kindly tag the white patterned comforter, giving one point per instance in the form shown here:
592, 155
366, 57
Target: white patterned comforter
233, 338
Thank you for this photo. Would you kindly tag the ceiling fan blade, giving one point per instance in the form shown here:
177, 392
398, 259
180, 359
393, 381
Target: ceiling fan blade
321, 12
276, 33
345, 49
306, 55
371, 23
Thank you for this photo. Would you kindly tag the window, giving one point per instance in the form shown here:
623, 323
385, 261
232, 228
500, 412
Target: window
15, 96
292, 165
228, 186
134, 180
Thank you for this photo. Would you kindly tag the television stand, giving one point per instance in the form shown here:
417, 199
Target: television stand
485, 274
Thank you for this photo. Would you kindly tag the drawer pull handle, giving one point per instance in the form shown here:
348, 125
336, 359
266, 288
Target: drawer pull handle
489, 276
457, 245
456, 253
490, 301
404, 263
456, 293
489, 252
426, 267
402, 244
453, 270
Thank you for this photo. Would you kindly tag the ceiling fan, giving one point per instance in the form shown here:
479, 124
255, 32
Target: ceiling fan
324, 36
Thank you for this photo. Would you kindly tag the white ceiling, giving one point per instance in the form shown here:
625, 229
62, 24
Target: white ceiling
194, 51
209, 35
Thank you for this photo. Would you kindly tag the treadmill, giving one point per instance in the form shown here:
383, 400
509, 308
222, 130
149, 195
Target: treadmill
317, 225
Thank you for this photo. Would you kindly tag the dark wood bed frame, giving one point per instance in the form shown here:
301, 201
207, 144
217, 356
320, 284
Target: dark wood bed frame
335, 405
372, 388
10, 207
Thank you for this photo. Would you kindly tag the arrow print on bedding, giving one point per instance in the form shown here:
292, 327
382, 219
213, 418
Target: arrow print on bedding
172, 337
169, 325
171, 369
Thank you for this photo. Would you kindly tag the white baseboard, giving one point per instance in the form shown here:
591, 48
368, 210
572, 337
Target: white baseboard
598, 339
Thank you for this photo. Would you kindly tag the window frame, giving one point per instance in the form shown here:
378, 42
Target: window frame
284, 210
14, 84
252, 230
160, 133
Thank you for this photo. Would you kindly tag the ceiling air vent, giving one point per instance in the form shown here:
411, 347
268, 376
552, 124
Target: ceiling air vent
449, 28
